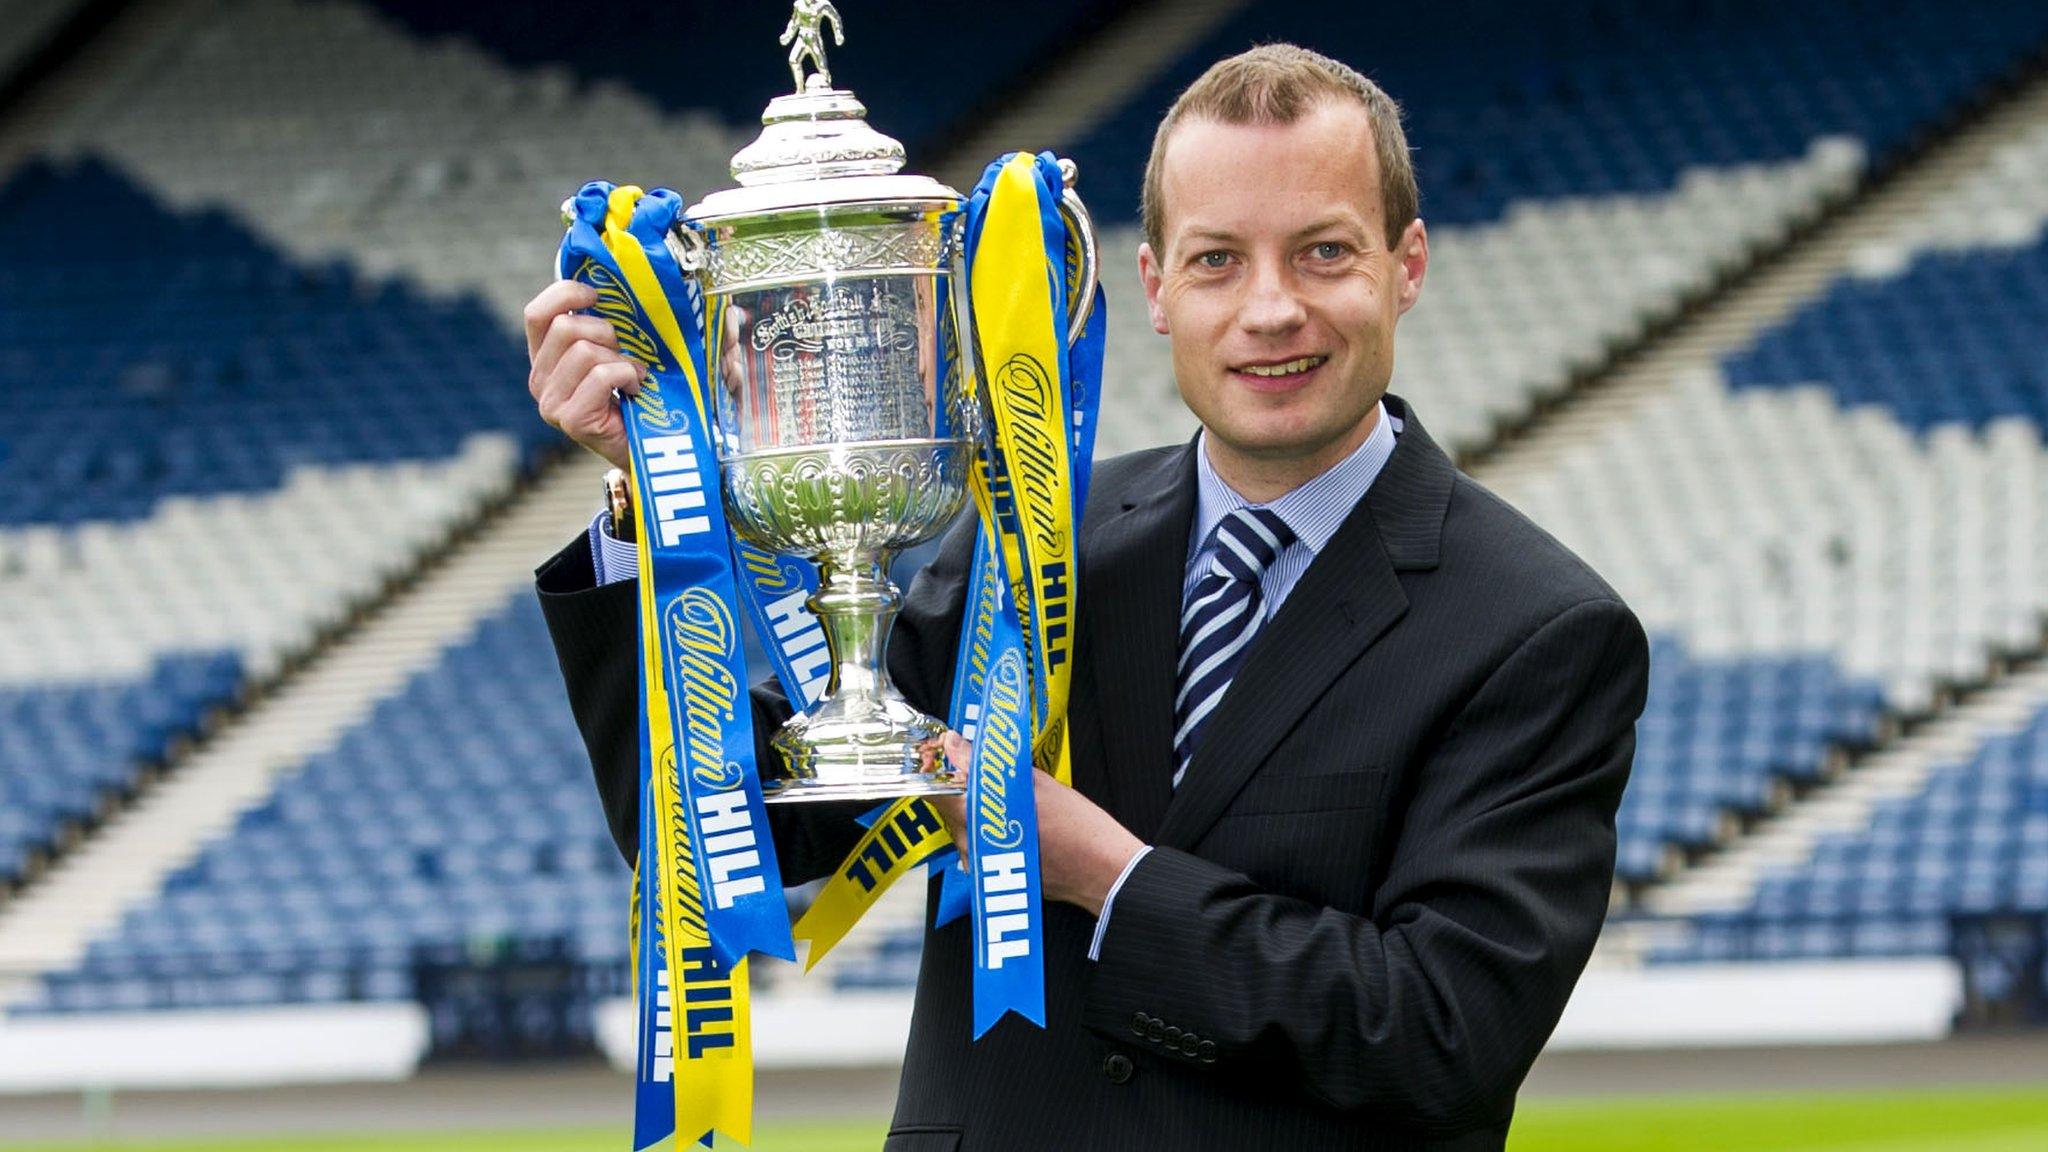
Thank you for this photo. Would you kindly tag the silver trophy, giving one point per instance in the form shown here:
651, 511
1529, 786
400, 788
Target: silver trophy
847, 420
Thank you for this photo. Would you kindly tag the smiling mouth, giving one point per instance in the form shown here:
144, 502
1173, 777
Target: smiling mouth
1293, 367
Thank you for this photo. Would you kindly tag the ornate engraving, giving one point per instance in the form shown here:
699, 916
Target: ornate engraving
738, 263
848, 501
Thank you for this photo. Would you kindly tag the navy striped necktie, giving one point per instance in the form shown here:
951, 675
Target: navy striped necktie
1222, 612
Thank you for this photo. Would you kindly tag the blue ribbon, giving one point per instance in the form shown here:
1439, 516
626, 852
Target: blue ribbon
676, 473
1009, 914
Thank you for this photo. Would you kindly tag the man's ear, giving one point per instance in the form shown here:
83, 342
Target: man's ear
1412, 255
1148, 272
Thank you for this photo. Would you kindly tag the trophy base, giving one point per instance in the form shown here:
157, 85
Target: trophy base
876, 753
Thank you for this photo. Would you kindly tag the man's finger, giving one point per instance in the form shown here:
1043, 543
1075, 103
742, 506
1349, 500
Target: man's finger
573, 371
563, 335
554, 300
590, 410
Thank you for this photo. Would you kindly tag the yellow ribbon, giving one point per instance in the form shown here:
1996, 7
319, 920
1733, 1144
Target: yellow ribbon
1023, 346
714, 1083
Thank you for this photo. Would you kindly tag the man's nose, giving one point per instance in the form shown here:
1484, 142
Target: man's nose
1271, 303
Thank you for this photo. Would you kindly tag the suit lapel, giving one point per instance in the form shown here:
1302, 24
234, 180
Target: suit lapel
1131, 602
1345, 601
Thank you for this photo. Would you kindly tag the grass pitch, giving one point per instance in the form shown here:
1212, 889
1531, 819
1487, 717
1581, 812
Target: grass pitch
1987, 1120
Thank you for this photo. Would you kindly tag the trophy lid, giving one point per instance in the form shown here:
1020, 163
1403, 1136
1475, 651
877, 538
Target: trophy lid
816, 147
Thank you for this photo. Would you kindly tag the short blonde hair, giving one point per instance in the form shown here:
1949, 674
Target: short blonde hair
1278, 84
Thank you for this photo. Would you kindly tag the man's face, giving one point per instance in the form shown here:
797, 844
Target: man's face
1277, 286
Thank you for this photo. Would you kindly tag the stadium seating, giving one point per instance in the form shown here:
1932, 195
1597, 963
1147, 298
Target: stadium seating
1974, 840
1586, 168
67, 750
1818, 535
459, 815
335, 135
1719, 735
1860, 489
177, 356
211, 454
1954, 340
1767, 525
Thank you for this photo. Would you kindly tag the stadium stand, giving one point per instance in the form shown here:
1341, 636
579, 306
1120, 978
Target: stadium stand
1859, 488
70, 749
414, 837
1719, 736
362, 159
211, 456
335, 135
1579, 198
126, 861
1943, 834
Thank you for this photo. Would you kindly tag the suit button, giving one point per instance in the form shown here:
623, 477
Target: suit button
1138, 1023
1172, 1037
1117, 1068
1206, 1052
1189, 1045
1155, 1030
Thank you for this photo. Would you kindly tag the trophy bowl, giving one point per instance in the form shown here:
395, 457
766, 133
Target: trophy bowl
840, 355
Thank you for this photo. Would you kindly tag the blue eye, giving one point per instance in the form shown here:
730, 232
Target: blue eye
1215, 258
1328, 250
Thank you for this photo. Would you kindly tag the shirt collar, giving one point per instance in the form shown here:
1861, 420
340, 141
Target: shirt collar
1316, 509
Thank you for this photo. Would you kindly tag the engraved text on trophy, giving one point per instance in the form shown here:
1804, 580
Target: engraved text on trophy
834, 363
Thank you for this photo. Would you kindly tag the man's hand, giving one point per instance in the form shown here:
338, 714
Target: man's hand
1081, 848
577, 368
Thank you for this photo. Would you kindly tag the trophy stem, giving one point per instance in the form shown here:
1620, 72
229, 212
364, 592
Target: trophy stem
855, 604
861, 740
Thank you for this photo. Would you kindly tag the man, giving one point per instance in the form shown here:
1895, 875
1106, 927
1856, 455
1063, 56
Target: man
1348, 732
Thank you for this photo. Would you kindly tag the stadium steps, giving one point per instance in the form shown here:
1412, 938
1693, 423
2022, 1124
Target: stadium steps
1097, 78
1800, 273
1772, 286
126, 861
1898, 770
1860, 234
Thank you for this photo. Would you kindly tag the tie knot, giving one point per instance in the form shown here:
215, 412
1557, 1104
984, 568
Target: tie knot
1247, 540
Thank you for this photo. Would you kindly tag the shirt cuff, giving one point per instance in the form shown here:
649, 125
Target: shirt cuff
611, 559
1102, 921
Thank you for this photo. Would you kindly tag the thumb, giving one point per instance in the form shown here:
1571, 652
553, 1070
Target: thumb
959, 753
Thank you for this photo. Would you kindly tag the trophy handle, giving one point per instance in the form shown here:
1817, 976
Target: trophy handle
1080, 226
687, 245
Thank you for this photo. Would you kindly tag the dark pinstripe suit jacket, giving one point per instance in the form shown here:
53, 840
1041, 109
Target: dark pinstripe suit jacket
1370, 898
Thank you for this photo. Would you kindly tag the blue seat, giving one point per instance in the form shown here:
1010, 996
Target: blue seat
386, 850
